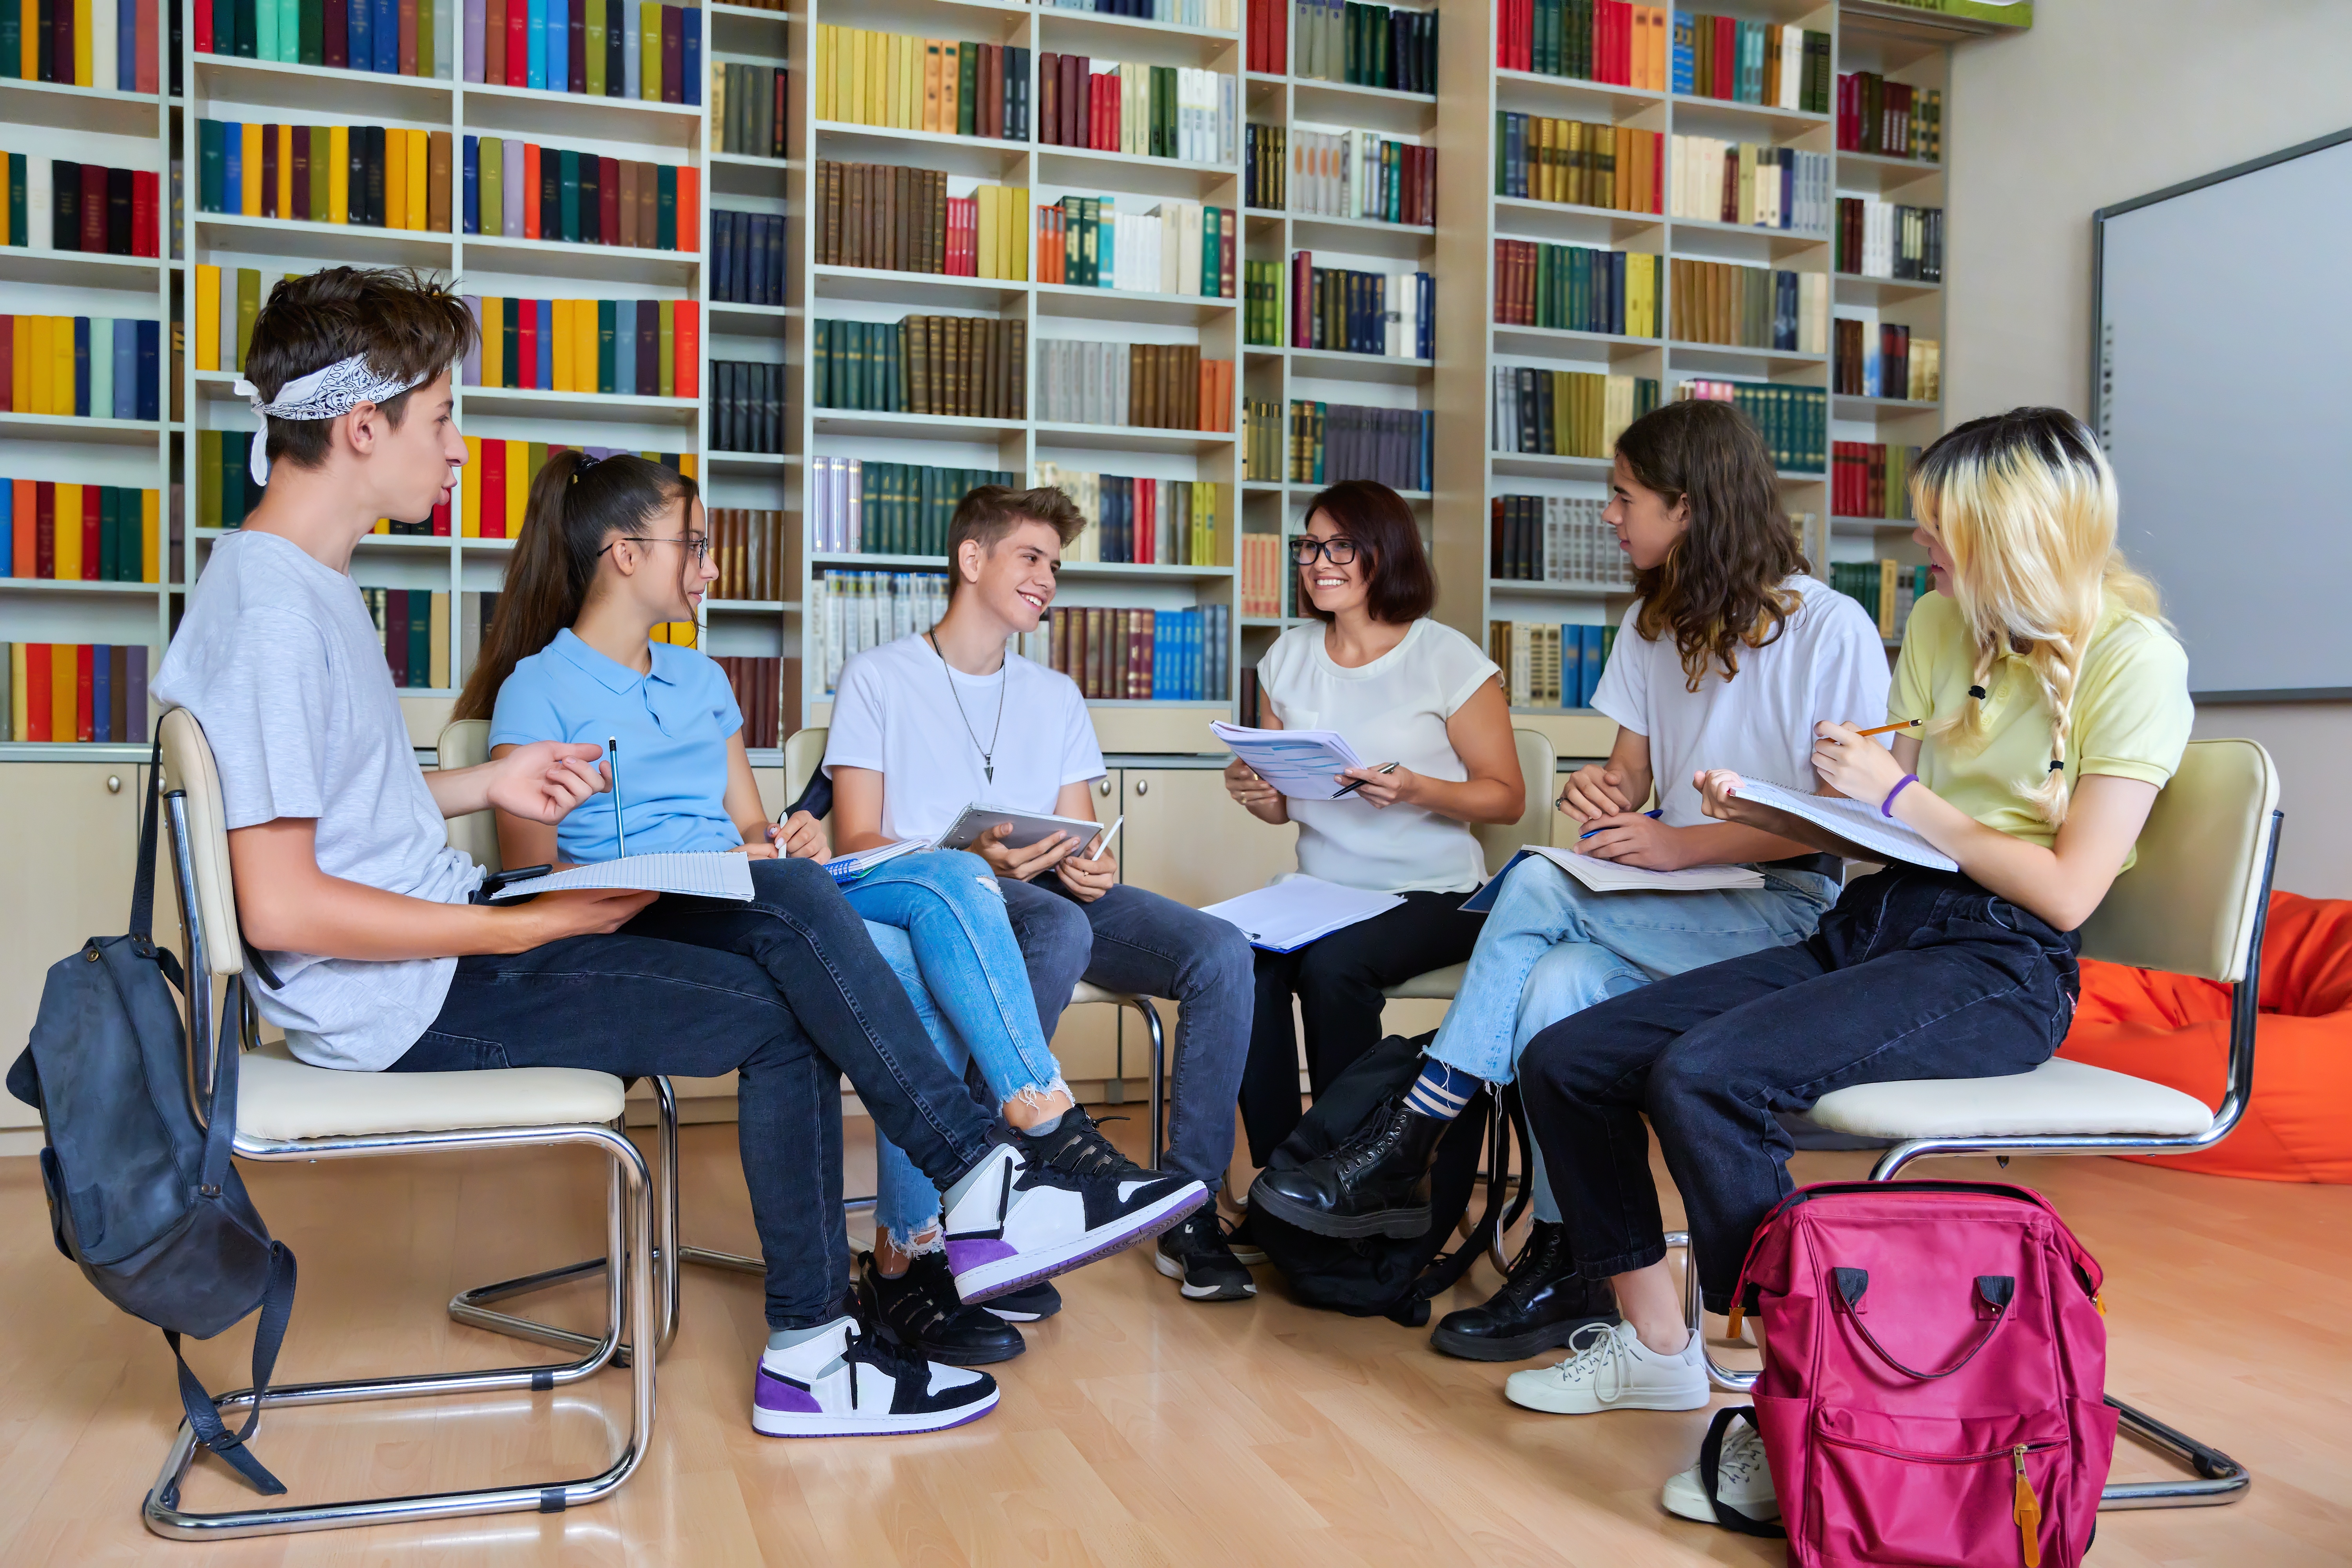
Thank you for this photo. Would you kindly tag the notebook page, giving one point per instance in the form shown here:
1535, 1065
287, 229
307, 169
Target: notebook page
1615, 876
1857, 821
716, 874
1297, 910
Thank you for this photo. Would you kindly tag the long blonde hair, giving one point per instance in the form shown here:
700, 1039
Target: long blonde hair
2025, 505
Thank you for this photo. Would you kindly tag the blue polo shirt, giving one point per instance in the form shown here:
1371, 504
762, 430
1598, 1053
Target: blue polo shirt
672, 725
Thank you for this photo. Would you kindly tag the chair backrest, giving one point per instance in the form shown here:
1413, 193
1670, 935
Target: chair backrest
804, 754
2191, 902
1537, 763
208, 893
463, 743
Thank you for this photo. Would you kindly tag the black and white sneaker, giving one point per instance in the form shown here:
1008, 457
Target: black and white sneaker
845, 1383
919, 1312
1242, 1242
1195, 1254
1028, 1305
1041, 1205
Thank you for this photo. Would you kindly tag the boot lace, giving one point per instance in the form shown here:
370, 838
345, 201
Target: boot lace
1078, 1148
1599, 1355
1371, 1145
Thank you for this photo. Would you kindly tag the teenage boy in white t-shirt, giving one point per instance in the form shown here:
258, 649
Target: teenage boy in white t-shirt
345, 879
925, 726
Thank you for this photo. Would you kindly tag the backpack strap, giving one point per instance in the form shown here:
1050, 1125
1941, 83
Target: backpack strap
142, 881
1711, 1476
204, 1415
1445, 1272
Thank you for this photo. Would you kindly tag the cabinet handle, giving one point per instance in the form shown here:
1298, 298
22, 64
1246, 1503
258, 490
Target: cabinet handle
1103, 787
1143, 786
113, 783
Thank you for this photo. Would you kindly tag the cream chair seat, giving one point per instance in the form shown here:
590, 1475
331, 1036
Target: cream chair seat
1437, 986
1499, 841
2058, 1097
279, 1097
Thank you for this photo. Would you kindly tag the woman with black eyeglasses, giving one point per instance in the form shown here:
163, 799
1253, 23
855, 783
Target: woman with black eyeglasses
1422, 704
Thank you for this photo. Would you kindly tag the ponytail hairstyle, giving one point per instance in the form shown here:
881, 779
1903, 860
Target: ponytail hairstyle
2025, 505
577, 503
1718, 589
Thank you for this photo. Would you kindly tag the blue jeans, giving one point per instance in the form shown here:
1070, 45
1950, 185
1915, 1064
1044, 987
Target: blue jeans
1140, 944
939, 921
1912, 975
1552, 947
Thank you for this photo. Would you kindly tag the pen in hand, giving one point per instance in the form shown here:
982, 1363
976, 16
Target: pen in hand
1590, 831
1354, 784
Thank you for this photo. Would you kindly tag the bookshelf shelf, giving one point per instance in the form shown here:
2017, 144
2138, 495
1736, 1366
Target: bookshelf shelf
533, 111
1360, 236
78, 268
104, 111
1102, 33
927, 426
324, 243
1523, 217
1334, 364
1699, 110
1869, 527
751, 13
751, 606
1314, 101
919, 291
1779, 241
1856, 288
748, 161
1130, 439
1699, 353
322, 88
1537, 93
605, 405
1082, 304
1516, 340
1083, 168
583, 263
981, 157
752, 462
53, 585
72, 427
1851, 408
1541, 466
1507, 586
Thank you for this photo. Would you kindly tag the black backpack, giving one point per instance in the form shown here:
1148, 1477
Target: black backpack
142, 1196
1379, 1276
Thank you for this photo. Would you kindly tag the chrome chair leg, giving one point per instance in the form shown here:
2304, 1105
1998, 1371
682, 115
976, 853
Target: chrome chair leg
630, 1299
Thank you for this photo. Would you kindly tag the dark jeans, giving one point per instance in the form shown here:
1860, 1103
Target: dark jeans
787, 993
1136, 941
1912, 975
1339, 981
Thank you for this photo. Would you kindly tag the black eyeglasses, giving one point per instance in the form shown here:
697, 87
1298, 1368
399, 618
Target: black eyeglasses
696, 544
1338, 552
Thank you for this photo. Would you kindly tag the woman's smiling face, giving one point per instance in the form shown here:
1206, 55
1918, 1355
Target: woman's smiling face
1333, 586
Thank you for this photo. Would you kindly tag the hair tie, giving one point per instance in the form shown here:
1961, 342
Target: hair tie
1977, 693
2057, 762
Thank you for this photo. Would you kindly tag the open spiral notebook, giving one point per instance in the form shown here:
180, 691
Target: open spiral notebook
1859, 823
712, 874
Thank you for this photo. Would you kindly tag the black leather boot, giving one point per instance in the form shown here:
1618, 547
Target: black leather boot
1376, 1184
1543, 1302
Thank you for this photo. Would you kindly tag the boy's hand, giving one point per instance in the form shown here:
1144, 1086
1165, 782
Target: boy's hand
588, 912
543, 781
1089, 879
1634, 838
1593, 791
800, 836
1022, 864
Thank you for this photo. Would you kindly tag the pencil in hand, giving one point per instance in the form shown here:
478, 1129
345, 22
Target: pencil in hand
1886, 729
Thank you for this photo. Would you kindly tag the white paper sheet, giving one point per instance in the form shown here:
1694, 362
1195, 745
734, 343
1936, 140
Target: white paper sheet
1857, 821
714, 874
1304, 764
1291, 913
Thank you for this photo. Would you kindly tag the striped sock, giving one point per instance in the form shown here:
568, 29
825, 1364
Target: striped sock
1441, 1090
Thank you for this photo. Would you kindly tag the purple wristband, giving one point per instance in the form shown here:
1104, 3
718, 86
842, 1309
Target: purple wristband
1886, 806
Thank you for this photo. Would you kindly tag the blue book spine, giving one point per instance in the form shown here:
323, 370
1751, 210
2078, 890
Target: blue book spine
81, 366
471, 217
1593, 637
535, 69
722, 257
546, 311
126, 372
690, 52
387, 37
126, 49
151, 380
231, 167
625, 347
1572, 667
7, 527
101, 692
360, 35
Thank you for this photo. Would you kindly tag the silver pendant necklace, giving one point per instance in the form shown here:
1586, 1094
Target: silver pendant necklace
1004, 678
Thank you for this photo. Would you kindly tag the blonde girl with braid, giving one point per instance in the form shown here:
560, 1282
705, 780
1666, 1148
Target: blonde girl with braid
2050, 704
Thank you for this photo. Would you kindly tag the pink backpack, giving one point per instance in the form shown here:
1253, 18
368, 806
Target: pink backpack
1934, 1375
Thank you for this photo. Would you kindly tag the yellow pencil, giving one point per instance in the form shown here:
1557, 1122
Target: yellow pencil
1882, 729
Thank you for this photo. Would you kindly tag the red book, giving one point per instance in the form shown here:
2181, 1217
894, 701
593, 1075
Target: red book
441, 515
395, 634
530, 194
84, 688
493, 480
93, 207
204, 27
142, 211
608, 200
89, 533
144, 75
20, 563
527, 346
45, 530
408, 37
687, 376
518, 52
36, 690
690, 208
334, 34
494, 42
1147, 521
1726, 56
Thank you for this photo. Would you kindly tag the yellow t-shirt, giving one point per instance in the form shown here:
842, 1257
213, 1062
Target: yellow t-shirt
2132, 713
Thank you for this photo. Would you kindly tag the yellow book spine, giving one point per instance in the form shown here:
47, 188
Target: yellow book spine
686, 464
151, 536
249, 188
438, 623
984, 262
207, 316
65, 701
420, 169
1016, 233
469, 491
85, 74
561, 350
382, 525
911, 113
877, 87
494, 327
584, 345
845, 59
29, 14
860, 45
285, 171
821, 71
649, 76
339, 174
396, 180
69, 534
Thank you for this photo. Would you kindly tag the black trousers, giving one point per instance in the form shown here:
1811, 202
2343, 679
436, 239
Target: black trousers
1338, 982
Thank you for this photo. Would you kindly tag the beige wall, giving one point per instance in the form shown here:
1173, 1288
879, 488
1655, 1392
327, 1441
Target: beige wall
2104, 101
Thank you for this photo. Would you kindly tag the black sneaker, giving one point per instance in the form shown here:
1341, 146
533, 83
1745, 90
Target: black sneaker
1375, 1184
921, 1311
1039, 1300
1195, 1253
1540, 1306
1242, 1242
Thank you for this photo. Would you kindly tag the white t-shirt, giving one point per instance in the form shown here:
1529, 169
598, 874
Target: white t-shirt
1392, 710
280, 663
910, 716
1828, 662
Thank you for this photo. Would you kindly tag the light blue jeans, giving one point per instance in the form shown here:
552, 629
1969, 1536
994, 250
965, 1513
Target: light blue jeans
939, 921
1552, 947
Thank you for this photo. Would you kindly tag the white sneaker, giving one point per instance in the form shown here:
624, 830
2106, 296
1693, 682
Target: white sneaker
843, 1383
1742, 1479
1612, 1369
1038, 1206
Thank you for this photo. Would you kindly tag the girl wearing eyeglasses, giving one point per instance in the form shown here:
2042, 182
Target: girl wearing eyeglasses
1420, 703
612, 548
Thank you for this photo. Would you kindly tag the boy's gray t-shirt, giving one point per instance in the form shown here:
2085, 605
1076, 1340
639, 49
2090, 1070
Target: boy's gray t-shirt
281, 662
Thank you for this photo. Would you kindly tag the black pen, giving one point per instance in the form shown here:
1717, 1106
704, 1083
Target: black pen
1354, 784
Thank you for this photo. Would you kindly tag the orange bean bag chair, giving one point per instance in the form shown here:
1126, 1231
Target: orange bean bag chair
2176, 1031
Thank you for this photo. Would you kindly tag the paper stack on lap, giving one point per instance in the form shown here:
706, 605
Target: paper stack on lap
715, 874
1295, 910
1612, 876
1859, 823
1304, 764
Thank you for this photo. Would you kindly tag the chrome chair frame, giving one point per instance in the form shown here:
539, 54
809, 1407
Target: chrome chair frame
2218, 1479
628, 1230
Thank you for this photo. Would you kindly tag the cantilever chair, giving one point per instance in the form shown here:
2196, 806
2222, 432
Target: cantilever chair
288, 1110
2192, 904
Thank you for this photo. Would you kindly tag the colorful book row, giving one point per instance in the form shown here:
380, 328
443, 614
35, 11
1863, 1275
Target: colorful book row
1774, 63
1891, 118
748, 110
896, 218
76, 692
1554, 539
630, 348
1754, 186
1329, 442
1175, 247
1143, 521
1365, 45
1361, 312
361, 175
753, 549
939, 84
1143, 656
1567, 412
1144, 110
82, 367
862, 506
1608, 41
1340, 173
53, 204
602, 48
1549, 664
1591, 166
957, 366
1793, 420
524, 191
81, 43
390, 37
1151, 386
1888, 589
85, 534
849, 612
1575, 287
1872, 478
1748, 307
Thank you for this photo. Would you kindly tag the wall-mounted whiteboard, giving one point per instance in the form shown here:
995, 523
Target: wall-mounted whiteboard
2221, 388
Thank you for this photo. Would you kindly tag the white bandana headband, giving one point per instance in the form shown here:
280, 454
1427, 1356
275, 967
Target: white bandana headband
327, 393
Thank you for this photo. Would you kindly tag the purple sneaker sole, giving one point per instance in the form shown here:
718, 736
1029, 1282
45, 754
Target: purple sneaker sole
793, 1424
977, 1285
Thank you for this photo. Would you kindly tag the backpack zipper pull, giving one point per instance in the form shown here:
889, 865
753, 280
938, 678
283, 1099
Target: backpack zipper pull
2028, 1512
1738, 1314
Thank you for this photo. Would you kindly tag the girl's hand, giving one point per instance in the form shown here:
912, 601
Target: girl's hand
1246, 787
543, 781
759, 851
1400, 785
1592, 792
1089, 879
800, 836
1634, 838
1718, 795
1857, 768
1023, 863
